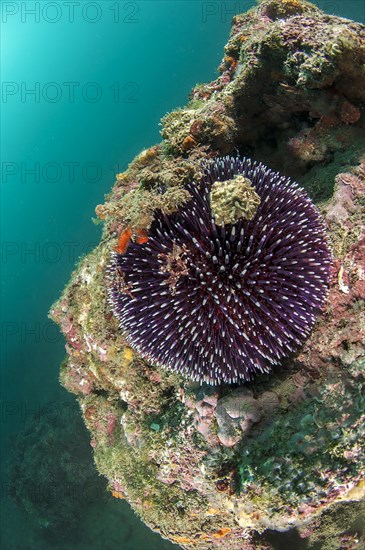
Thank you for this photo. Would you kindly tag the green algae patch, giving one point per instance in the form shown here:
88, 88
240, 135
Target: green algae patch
290, 456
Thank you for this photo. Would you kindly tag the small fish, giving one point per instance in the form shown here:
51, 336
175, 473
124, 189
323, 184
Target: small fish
140, 236
123, 241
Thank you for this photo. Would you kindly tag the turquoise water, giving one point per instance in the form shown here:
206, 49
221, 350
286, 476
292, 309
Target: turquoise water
83, 92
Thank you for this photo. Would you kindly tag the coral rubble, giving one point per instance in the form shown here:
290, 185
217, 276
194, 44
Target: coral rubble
239, 466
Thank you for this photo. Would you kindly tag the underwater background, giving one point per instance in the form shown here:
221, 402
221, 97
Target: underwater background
84, 85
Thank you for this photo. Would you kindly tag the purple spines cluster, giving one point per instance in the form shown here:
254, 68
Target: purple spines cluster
221, 303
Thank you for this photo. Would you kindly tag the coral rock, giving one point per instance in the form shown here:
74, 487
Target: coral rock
225, 466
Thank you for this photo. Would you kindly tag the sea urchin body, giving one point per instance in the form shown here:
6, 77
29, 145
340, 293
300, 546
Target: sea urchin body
220, 303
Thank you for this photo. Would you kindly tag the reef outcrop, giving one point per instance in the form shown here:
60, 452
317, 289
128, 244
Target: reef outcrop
241, 467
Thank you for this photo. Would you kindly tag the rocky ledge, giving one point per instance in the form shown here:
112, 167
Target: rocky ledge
283, 456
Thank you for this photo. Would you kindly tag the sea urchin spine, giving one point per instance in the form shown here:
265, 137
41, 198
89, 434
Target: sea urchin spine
220, 303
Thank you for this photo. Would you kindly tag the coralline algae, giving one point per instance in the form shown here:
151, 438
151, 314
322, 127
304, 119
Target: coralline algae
226, 466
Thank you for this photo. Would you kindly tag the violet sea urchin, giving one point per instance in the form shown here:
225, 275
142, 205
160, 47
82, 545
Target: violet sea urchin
220, 303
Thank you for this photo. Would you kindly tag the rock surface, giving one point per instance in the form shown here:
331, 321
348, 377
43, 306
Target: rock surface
238, 467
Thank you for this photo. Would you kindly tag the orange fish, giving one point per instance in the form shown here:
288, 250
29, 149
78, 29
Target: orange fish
123, 241
142, 236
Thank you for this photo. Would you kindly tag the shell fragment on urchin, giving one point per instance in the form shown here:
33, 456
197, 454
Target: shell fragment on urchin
220, 303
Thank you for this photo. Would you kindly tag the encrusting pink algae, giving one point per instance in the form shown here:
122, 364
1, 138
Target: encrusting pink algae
234, 466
